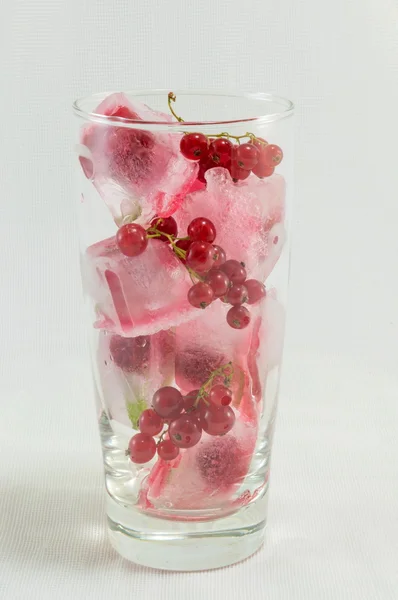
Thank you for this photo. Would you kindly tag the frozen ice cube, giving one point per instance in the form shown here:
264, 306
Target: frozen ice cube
248, 217
145, 168
130, 370
139, 295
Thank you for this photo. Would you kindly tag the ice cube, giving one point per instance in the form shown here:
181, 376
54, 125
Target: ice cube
145, 168
204, 476
130, 370
248, 217
139, 295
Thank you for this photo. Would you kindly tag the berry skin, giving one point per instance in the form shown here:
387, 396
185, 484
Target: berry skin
220, 152
220, 395
183, 245
185, 432
259, 142
272, 155
246, 156
237, 294
189, 400
255, 291
194, 146
167, 450
201, 230
218, 281
234, 270
130, 354
150, 422
168, 402
201, 256
261, 170
131, 239
220, 255
165, 225
142, 448
238, 317
237, 173
218, 420
200, 295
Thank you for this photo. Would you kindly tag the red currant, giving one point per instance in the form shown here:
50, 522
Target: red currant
165, 225
142, 448
221, 257
200, 295
194, 146
202, 230
218, 420
167, 450
246, 156
255, 290
238, 317
237, 294
237, 173
185, 432
220, 151
218, 281
190, 400
234, 270
203, 168
272, 155
259, 142
220, 395
201, 256
150, 422
183, 245
261, 170
130, 354
168, 402
131, 239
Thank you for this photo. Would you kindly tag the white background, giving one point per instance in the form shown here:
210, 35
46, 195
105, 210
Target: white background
333, 524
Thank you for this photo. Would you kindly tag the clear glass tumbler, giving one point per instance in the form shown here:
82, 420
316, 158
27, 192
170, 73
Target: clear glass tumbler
183, 214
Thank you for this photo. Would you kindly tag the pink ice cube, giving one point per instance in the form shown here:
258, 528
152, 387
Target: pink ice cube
248, 217
123, 389
139, 295
141, 167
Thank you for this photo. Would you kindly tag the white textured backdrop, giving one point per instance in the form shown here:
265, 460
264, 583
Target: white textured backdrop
333, 530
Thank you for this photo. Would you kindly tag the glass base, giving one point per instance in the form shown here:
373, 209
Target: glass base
187, 546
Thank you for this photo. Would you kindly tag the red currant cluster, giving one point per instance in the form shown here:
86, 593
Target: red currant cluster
255, 156
206, 409
213, 276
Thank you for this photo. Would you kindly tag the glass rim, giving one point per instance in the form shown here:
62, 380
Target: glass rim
287, 109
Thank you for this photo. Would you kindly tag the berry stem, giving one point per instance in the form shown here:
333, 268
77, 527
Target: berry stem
172, 98
226, 370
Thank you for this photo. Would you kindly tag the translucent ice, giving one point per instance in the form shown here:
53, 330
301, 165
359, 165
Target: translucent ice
128, 383
139, 295
145, 169
248, 217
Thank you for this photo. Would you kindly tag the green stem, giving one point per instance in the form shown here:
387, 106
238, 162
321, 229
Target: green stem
204, 390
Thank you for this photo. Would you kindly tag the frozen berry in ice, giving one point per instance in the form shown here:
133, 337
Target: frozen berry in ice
246, 155
200, 295
238, 317
185, 431
218, 281
150, 422
234, 270
220, 151
222, 462
218, 420
219, 256
142, 448
201, 256
131, 239
255, 291
220, 395
168, 402
164, 225
237, 294
272, 155
202, 230
167, 450
190, 400
194, 146
130, 354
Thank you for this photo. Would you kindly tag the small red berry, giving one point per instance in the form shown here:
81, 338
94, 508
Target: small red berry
202, 230
218, 281
220, 256
237, 294
131, 239
164, 225
142, 448
150, 422
272, 155
246, 156
201, 256
200, 295
255, 290
183, 245
185, 432
167, 450
237, 173
194, 145
238, 317
234, 270
220, 151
